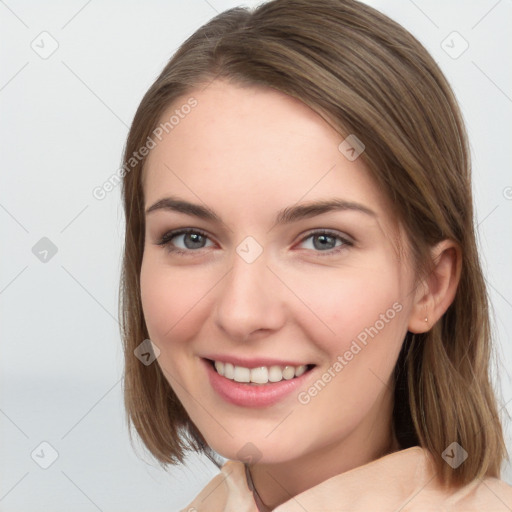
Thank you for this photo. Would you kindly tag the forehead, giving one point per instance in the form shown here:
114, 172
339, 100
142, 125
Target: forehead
259, 125
243, 148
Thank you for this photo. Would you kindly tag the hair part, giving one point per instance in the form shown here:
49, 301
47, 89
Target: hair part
365, 75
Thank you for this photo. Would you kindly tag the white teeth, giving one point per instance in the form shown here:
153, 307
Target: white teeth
229, 371
219, 366
242, 374
275, 374
289, 372
259, 375
300, 370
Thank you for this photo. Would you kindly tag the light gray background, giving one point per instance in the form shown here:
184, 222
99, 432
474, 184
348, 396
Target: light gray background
64, 120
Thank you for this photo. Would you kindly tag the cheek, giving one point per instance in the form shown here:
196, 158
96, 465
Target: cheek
353, 303
363, 324
171, 300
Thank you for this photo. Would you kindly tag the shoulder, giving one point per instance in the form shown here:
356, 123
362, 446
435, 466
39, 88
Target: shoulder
482, 494
489, 494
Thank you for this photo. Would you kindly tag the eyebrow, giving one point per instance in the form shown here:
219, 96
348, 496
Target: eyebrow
285, 216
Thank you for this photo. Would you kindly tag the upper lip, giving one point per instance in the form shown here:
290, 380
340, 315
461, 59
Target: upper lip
254, 362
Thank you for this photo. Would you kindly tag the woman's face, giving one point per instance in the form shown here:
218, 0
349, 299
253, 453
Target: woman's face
265, 279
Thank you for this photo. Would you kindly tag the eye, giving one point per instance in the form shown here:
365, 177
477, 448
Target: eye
191, 240
323, 241
326, 241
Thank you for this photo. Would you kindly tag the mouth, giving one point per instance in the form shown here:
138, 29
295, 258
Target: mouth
260, 375
257, 386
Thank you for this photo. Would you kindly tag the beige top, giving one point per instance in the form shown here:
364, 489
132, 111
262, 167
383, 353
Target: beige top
402, 481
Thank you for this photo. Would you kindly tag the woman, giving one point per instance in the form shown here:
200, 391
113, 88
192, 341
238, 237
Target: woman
300, 251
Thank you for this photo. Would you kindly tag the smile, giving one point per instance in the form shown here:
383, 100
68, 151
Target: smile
260, 386
260, 374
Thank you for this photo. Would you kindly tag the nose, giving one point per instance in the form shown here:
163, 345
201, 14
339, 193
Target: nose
249, 300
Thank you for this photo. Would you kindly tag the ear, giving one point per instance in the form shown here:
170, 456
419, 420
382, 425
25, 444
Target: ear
437, 291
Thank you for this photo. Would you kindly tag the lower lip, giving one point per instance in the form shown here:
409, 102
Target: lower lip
251, 395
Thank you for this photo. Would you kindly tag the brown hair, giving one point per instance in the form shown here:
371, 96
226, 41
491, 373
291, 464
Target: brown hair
366, 75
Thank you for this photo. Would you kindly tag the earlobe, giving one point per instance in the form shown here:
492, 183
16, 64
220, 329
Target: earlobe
437, 291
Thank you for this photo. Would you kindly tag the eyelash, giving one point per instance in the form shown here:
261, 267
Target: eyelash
165, 241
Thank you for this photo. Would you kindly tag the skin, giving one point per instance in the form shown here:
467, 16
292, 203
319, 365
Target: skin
246, 153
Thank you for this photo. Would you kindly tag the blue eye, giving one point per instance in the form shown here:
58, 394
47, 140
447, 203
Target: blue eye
191, 238
324, 241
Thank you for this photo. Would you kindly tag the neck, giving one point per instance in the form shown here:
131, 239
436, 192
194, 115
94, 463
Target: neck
277, 483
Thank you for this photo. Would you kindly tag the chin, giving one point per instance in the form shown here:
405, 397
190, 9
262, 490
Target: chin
255, 451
